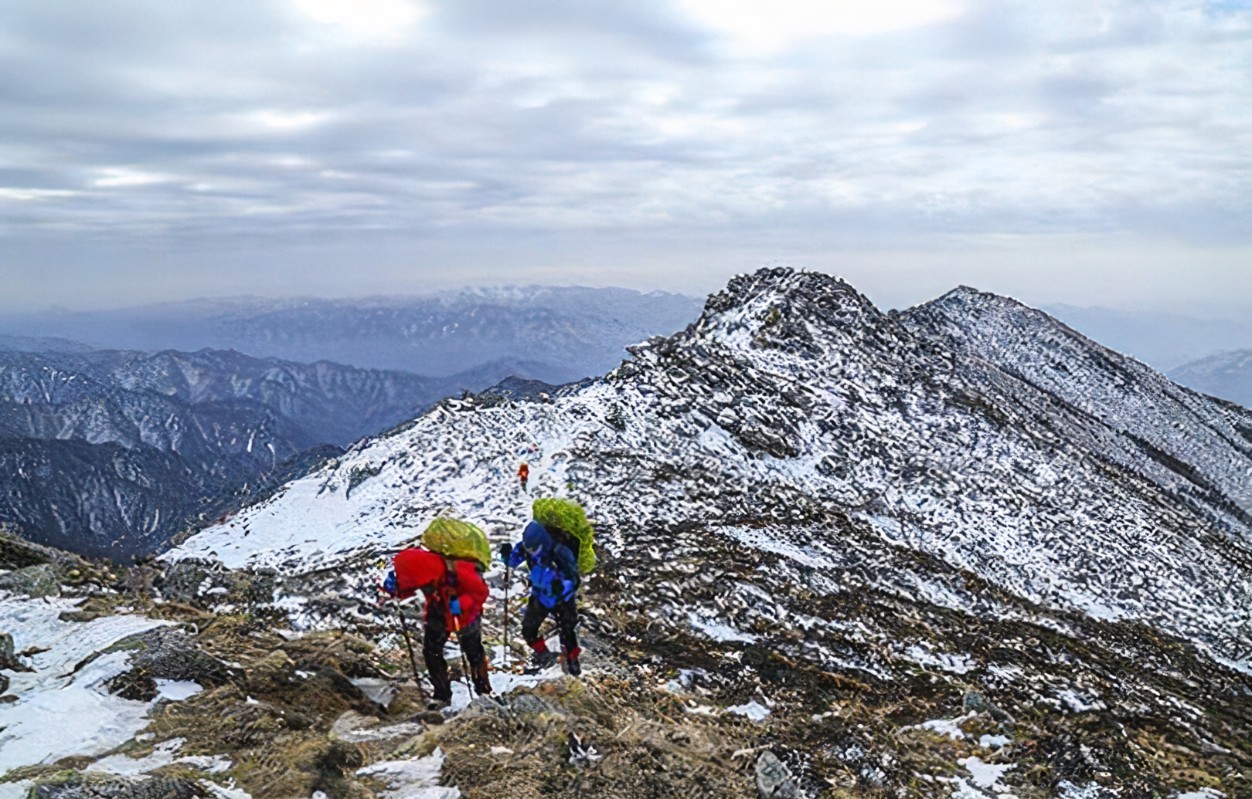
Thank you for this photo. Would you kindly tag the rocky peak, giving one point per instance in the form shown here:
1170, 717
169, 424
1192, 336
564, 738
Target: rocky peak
787, 309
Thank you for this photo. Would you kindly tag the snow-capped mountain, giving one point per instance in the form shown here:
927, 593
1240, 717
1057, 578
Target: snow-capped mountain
1227, 375
113, 452
842, 553
562, 334
1106, 490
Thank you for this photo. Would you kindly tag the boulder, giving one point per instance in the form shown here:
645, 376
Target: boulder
774, 780
76, 785
8, 658
166, 653
34, 581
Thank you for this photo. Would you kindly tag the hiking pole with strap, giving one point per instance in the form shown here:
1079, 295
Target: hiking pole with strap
508, 578
451, 594
465, 670
408, 641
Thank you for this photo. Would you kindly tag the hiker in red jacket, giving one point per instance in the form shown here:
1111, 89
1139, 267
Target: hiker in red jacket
454, 601
523, 474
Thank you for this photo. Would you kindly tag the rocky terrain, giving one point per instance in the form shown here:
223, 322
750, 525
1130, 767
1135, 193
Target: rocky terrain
843, 553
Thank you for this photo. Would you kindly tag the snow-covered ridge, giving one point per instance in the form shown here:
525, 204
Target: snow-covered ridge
793, 396
1190, 443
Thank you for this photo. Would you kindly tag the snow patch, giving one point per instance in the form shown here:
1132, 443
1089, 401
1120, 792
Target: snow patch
753, 710
177, 690
953, 664
718, 631
948, 727
411, 779
162, 755
59, 711
985, 775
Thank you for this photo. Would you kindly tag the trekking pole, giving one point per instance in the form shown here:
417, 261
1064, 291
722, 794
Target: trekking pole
465, 670
408, 641
508, 578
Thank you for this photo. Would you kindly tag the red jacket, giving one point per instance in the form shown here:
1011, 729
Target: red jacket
426, 571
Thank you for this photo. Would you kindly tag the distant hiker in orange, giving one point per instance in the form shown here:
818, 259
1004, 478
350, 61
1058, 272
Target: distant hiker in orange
523, 474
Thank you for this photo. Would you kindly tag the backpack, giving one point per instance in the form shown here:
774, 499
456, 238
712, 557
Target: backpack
567, 522
458, 540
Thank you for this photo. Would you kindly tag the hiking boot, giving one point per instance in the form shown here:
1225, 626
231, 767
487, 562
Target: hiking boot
542, 660
571, 665
439, 701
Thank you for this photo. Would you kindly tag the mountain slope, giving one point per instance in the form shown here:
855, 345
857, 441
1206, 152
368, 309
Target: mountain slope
1164, 341
793, 397
838, 558
1186, 443
201, 427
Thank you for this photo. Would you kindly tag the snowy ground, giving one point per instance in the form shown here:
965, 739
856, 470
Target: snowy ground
63, 707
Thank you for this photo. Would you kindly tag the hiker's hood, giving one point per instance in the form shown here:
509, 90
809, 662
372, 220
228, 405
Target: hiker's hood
536, 537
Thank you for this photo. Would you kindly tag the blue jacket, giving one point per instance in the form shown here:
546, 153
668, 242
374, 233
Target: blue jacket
553, 568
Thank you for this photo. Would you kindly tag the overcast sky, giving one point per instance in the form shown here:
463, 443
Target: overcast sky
1094, 152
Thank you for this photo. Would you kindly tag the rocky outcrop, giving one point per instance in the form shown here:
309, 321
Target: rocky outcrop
33, 581
166, 653
75, 785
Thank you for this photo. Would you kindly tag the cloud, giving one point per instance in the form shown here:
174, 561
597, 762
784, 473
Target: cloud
434, 134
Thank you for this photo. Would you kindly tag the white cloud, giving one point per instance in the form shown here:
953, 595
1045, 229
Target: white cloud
769, 26
370, 19
593, 132
287, 120
124, 176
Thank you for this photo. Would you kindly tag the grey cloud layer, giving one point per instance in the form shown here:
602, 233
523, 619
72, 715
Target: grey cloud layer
143, 124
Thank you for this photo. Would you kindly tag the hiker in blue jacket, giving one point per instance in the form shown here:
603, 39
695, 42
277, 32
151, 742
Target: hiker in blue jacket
554, 581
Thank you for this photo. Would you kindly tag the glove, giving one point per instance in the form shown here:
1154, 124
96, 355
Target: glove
567, 590
506, 551
390, 585
454, 606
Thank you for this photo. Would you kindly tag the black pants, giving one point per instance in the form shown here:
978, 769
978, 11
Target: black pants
566, 619
435, 636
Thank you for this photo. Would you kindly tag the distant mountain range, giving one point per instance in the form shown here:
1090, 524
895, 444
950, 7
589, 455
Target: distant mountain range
1227, 375
562, 333
1163, 341
112, 452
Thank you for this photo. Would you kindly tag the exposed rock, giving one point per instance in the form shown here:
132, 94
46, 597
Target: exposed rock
34, 581
774, 779
8, 659
166, 653
18, 553
74, 785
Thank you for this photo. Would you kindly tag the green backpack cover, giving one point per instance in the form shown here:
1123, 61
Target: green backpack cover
454, 538
565, 519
